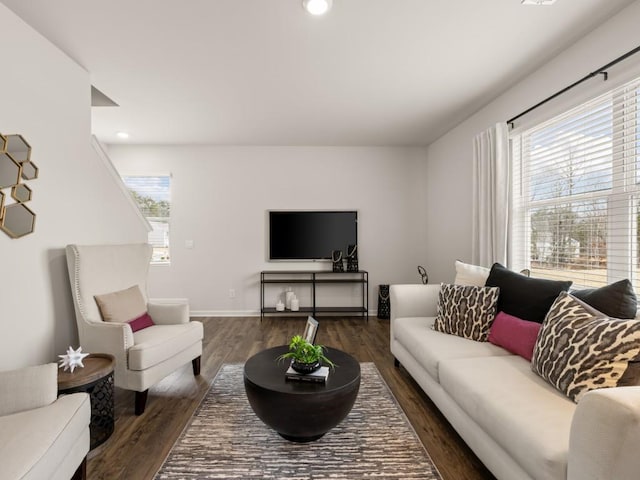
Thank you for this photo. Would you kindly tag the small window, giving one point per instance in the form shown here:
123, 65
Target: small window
152, 193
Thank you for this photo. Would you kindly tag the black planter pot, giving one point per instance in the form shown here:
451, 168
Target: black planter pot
305, 368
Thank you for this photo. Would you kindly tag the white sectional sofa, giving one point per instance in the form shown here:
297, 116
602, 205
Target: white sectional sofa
42, 437
517, 424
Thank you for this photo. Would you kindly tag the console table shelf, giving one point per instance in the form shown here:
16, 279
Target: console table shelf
315, 278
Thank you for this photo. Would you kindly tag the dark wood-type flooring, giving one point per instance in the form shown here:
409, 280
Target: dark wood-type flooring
139, 445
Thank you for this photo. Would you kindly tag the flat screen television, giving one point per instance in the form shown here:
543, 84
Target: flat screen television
310, 235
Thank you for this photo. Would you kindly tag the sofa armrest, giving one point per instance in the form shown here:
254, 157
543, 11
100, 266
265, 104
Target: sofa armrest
28, 388
605, 434
167, 311
414, 300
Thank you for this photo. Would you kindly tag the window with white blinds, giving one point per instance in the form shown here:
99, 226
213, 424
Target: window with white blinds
153, 196
576, 193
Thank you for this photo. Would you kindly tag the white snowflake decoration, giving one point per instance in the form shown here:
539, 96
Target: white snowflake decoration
72, 359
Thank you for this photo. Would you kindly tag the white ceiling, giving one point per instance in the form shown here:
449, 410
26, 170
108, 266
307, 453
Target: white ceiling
263, 72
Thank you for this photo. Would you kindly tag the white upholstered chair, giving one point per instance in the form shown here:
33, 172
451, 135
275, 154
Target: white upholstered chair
147, 356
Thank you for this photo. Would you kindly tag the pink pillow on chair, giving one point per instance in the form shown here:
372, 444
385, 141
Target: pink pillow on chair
143, 321
514, 334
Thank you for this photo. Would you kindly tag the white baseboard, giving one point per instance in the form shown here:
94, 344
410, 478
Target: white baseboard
224, 313
252, 313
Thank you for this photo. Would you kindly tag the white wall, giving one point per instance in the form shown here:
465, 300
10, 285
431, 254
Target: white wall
220, 196
46, 98
449, 164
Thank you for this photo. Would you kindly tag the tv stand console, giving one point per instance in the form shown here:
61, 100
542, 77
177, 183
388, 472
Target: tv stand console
316, 279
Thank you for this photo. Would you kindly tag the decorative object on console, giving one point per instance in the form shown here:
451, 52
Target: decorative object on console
466, 310
336, 258
16, 219
72, 359
352, 258
280, 306
524, 297
295, 304
580, 349
288, 295
384, 303
424, 276
616, 300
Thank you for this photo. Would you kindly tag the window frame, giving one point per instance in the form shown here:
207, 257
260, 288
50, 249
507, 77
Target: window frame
622, 198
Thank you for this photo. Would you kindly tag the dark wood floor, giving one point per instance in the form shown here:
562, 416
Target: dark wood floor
139, 444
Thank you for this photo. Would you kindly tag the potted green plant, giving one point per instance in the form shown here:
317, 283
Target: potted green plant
307, 357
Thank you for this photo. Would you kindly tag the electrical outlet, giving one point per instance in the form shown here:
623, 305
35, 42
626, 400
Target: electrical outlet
232, 293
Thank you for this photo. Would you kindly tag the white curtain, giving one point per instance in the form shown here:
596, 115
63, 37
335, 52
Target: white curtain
491, 193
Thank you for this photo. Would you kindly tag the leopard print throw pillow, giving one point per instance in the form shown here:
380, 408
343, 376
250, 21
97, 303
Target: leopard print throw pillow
580, 349
466, 311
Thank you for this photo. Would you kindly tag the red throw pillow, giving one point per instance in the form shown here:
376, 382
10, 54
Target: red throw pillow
143, 321
514, 334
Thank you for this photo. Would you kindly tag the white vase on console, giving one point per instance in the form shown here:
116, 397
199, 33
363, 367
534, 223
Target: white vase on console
295, 304
288, 295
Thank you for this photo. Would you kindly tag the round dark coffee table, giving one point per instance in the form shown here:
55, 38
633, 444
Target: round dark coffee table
300, 411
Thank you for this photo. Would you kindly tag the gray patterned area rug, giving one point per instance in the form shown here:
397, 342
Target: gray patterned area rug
225, 439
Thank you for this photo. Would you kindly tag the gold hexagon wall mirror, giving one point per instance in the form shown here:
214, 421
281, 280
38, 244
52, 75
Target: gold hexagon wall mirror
21, 193
16, 219
18, 148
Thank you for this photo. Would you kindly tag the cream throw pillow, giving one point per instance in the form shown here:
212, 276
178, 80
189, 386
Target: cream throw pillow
122, 306
467, 274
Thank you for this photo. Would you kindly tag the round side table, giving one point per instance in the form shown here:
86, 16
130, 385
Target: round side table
96, 379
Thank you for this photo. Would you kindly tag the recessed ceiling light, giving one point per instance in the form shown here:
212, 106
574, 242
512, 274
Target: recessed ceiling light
538, 2
317, 7
122, 135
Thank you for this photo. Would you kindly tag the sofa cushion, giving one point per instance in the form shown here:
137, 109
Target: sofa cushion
467, 274
514, 334
524, 297
466, 311
580, 349
617, 300
430, 347
527, 417
159, 342
121, 306
34, 442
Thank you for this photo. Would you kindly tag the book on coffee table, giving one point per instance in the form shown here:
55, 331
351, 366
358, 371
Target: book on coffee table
319, 376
